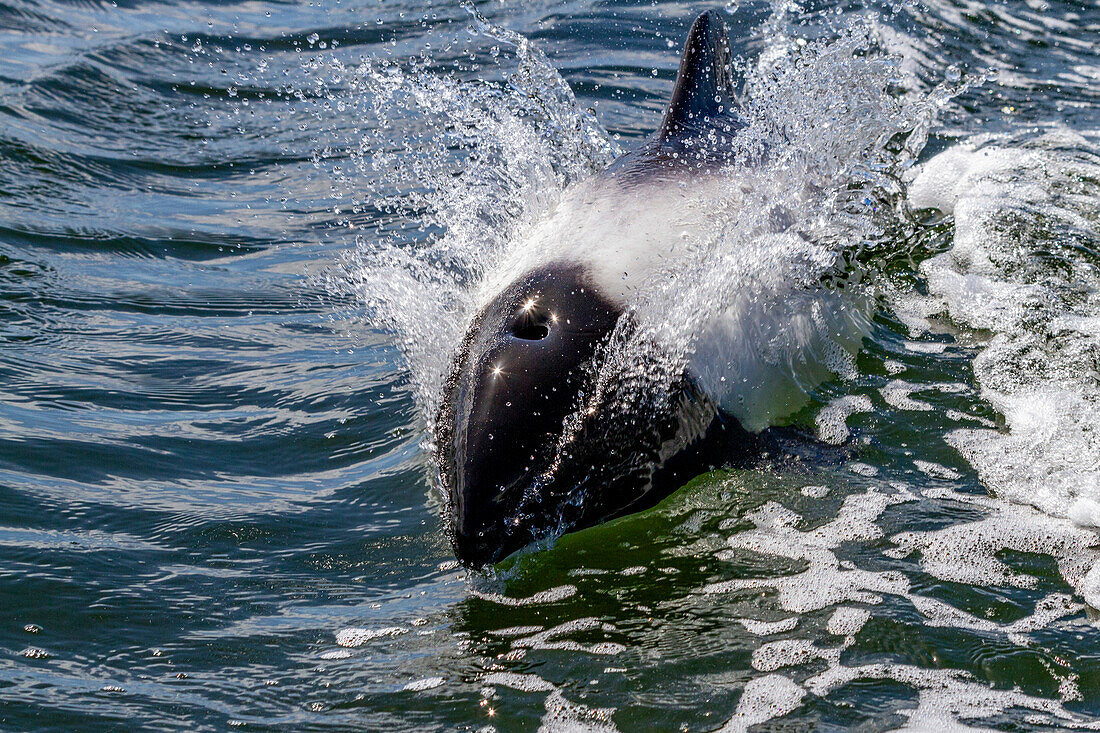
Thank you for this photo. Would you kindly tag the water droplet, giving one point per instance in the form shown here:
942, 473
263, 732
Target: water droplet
953, 73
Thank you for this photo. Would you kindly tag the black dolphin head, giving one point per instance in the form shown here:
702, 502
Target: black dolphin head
520, 370
530, 362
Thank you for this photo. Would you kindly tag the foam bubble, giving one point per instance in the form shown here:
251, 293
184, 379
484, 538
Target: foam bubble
847, 621
550, 638
862, 469
925, 347
824, 582
832, 419
967, 552
935, 470
1049, 609
945, 695
427, 683
896, 393
354, 637
894, 367
521, 682
571, 717
767, 628
336, 654
764, 699
790, 653
953, 174
553, 595
516, 631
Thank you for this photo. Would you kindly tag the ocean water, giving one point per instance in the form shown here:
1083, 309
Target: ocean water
239, 243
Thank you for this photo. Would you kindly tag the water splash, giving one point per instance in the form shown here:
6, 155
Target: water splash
458, 165
472, 156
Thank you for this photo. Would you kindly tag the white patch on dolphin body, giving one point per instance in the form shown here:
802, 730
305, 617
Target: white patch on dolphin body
758, 353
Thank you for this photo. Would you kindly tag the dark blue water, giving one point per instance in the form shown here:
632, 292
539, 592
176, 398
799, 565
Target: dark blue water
216, 502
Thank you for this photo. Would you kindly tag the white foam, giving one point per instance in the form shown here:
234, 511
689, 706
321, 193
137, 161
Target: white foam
354, 637
582, 572
935, 470
790, 653
1050, 457
1049, 609
550, 638
521, 682
967, 552
832, 418
516, 631
946, 697
925, 347
896, 393
1045, 319
1044, 313
764, 699
824, 582
847, 621
337, 654
767, 628
862, 469
894, 367
563, 716
553, 595
421, 685
953, 174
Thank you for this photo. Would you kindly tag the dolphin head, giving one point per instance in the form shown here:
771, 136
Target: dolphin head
517, 378
511, 473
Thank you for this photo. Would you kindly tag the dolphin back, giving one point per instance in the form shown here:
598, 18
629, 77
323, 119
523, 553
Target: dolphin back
703, 114
704, 97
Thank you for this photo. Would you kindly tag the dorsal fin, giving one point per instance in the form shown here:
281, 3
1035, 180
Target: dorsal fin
704, 85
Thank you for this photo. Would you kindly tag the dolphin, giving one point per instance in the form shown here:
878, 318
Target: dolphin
520, 453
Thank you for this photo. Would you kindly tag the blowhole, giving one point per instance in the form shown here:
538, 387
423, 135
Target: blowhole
532, 323
531, 330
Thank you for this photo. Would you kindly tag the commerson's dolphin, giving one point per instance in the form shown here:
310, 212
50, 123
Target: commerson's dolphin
510, 473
